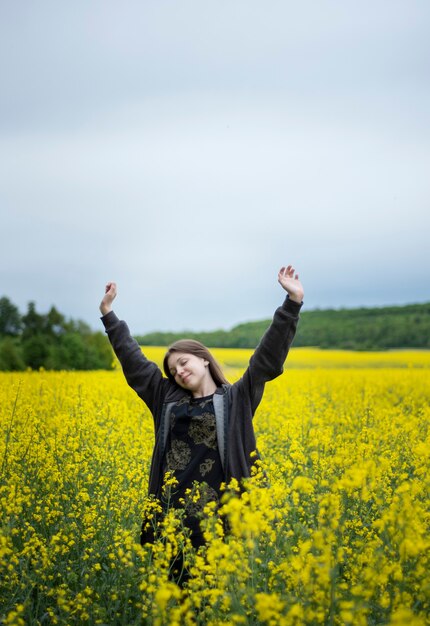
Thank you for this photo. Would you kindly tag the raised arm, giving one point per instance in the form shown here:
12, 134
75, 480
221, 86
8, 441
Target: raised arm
268, 359
142, 375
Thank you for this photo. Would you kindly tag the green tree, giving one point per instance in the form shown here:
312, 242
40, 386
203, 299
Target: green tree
10, 318
35, 351
11, 355
55, 323
100, 354
33, 322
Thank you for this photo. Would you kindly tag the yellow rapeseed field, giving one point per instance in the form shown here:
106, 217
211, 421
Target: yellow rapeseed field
339, 536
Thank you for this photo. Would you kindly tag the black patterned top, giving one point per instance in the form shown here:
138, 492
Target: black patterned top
192, 456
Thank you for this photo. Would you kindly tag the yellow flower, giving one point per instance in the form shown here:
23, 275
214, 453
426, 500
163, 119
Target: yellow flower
268, 606
165, 593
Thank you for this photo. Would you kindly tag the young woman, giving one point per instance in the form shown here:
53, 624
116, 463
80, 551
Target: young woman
204, 433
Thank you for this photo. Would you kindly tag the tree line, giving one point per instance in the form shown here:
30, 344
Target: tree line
36, 340
370, 328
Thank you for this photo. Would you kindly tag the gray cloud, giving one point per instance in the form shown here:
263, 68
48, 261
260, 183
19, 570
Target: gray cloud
189, 150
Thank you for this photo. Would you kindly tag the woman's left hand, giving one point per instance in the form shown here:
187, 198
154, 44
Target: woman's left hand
291, 283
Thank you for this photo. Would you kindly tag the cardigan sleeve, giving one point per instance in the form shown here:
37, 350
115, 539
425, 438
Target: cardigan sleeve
143, 375
268, 360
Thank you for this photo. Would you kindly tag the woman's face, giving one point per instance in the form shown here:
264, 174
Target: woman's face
188, 370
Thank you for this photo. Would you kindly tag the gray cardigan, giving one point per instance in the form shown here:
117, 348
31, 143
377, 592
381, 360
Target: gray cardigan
234, 405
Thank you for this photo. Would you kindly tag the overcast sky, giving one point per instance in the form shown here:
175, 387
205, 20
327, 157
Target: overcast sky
188, 149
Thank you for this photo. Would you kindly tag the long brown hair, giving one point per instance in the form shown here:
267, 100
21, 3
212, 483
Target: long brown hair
191, 346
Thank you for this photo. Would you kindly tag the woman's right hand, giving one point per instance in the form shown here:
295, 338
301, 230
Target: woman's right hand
109, 297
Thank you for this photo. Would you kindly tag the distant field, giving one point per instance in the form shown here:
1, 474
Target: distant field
340, 536
310, 358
